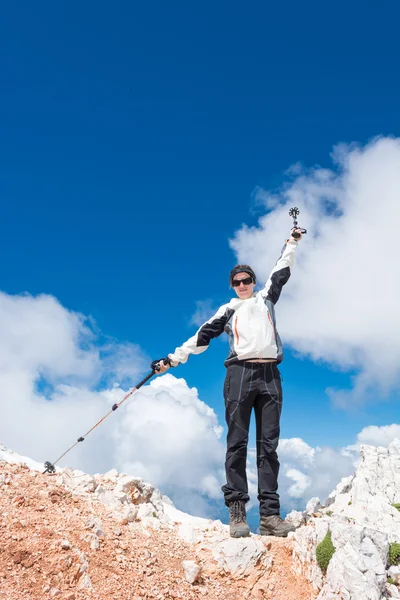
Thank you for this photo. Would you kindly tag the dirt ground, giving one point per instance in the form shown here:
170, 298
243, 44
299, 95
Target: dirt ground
49, 548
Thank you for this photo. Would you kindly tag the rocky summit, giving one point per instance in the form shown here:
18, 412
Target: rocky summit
361, 519
75, 536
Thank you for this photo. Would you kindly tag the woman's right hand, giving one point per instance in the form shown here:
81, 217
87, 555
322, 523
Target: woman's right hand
161, 365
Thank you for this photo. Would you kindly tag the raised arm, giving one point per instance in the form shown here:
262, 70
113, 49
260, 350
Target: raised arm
200, 341
281, 272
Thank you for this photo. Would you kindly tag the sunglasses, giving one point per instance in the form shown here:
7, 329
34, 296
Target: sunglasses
245, 281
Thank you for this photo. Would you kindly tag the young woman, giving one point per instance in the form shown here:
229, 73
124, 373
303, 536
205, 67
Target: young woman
252, 383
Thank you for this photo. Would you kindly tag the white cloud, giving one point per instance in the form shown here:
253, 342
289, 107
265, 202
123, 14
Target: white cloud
297, 447
204, 311
171, 438
58, 377
40, 337
377, 436
341, 304
300, 485
307, 472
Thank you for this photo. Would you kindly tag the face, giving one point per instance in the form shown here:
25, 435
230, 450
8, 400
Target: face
243, 291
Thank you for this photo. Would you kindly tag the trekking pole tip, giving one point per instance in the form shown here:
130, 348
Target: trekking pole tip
49, 467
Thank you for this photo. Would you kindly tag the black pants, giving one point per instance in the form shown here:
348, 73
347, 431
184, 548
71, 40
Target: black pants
247, 386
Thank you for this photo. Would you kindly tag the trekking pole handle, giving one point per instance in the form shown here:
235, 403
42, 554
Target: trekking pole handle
294, 212
155, 364
296, 234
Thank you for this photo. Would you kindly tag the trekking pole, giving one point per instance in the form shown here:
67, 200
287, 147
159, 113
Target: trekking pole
294, 212
155, 367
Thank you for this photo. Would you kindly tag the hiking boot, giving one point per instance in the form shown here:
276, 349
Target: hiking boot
237, 519
274, 525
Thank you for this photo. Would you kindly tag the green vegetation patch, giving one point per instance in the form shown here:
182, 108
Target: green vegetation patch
324, 552
396, 506
394, 553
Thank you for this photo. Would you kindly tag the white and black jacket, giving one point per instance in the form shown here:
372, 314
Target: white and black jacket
250, 323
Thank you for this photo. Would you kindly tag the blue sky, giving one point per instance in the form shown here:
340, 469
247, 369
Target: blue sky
133, 138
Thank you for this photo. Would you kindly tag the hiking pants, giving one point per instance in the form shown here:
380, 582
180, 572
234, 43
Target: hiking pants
247, 386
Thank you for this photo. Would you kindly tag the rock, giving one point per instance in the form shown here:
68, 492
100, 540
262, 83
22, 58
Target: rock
192, 570
83, 563
392, 591
239, 556
95, 525
120, 496
305, 541
381, 542
111, 475
134, 489
342, 487
394, 573
65, 545
92, 540
145, 511
76, 481
362, 525
296, 518
85, 582
130, 513
108, 497
313, 506
189, 533
157, 501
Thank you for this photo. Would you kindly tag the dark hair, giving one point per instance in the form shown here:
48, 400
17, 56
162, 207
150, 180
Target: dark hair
242, 269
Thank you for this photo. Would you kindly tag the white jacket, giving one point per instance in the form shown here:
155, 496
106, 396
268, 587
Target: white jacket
250, 323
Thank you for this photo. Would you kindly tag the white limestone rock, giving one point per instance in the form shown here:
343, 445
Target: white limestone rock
192, 570
189, 533
85, 582
394, 573
157, 500
392, 591
363, 523
120, 496
381, 542
145, 511
111, 475
313, 506
342, 487
95, 525
129, 513
296, 518
134, 489
355, 573
92, 540
305, 541
239, 556
107, 497
76, 481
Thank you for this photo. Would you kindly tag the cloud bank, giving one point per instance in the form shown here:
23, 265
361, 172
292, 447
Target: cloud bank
341, 304
59, 376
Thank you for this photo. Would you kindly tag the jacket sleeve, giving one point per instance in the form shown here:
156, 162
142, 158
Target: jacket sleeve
201, 340
280, 273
